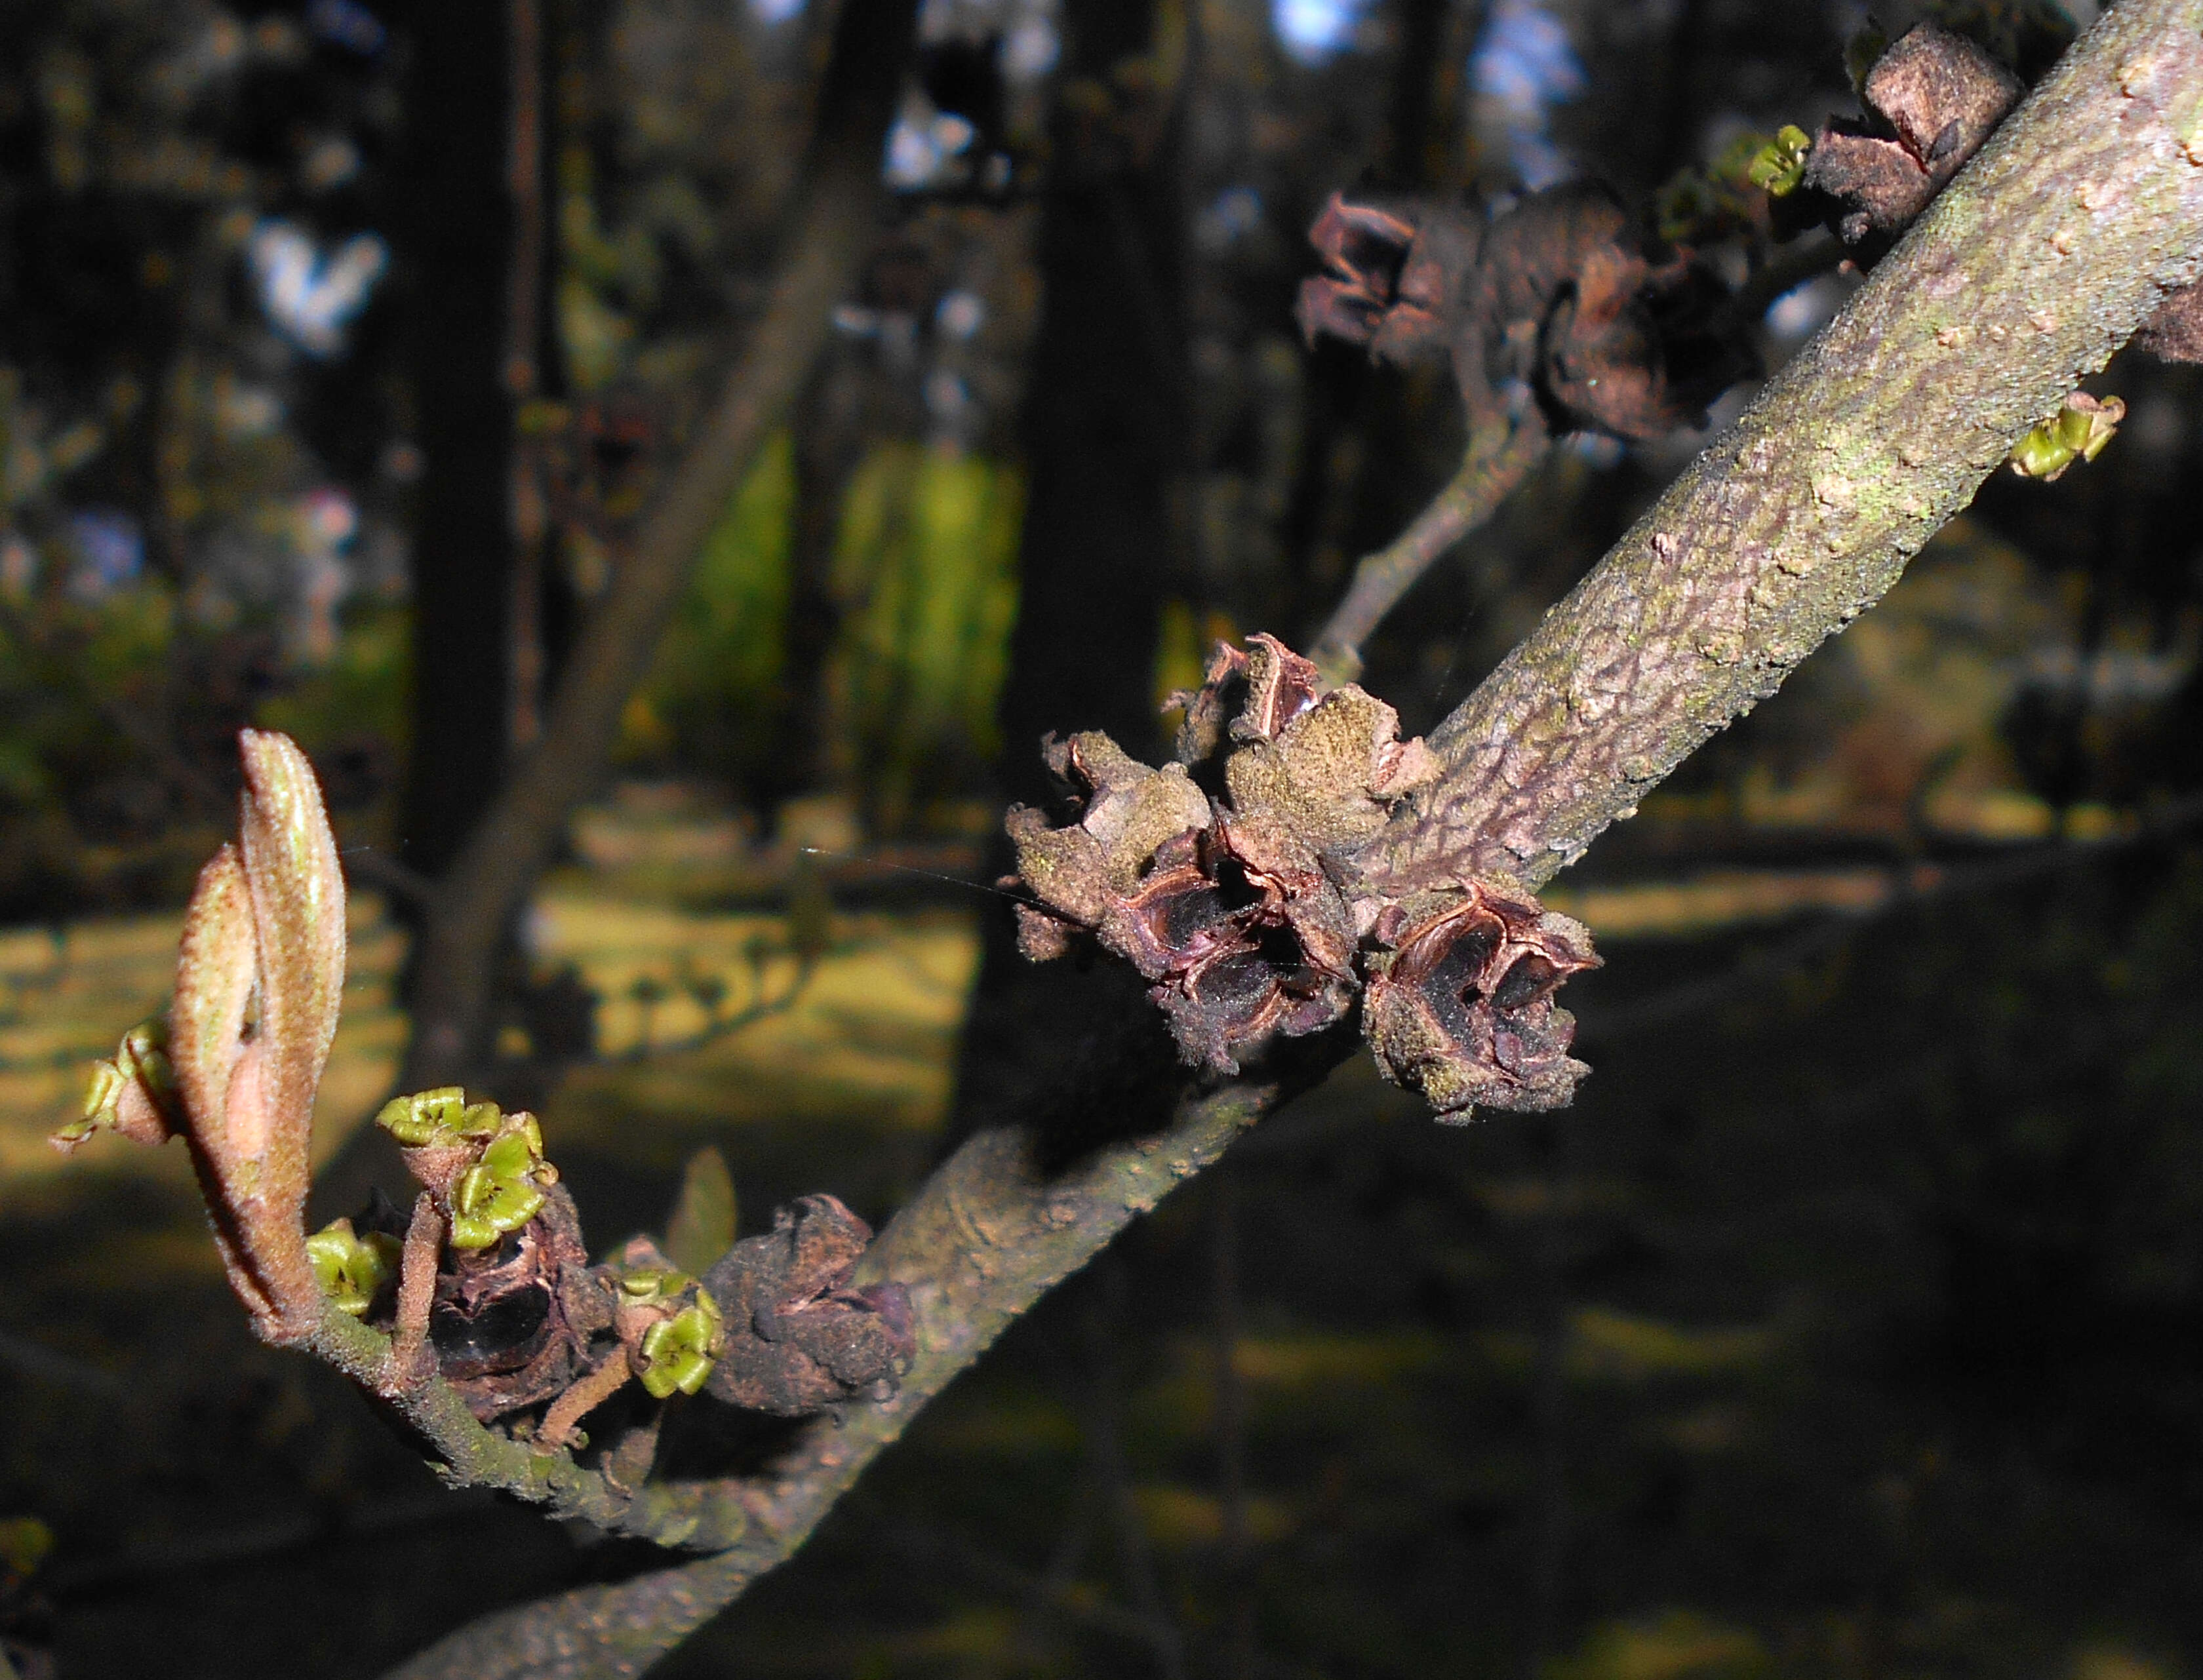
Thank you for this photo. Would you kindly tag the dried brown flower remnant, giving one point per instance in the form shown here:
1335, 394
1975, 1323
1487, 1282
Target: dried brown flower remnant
1932, 100
1560, 294
1080, 872
1235, 916
1259, 923
512, 1324
1464, 1010
2174, 333
799, 1339
1396, 276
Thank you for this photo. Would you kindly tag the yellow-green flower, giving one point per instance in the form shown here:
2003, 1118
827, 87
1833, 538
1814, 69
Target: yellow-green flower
437, 1119
1779, 167
2078, 432
352, 1268
677, 1353
502, 1191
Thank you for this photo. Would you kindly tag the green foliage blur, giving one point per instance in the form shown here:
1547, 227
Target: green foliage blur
924, 583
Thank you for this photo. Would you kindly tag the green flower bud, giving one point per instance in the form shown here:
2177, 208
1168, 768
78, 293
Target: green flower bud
351, 1268
134, 1092
651, 1284
1779, 167
678, 1352
2078, 432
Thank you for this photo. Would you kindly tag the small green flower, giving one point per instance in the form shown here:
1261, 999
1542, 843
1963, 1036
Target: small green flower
437, 1119
2078, 432
1779, 166
351, 1268
503, 1190
678, 1352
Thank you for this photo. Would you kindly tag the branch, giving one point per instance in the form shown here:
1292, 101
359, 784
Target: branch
2031, 270
518, 833
1497, 461
991, 1233
2035, 265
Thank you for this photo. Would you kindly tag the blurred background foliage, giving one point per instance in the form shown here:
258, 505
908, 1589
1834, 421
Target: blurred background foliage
1852, 1325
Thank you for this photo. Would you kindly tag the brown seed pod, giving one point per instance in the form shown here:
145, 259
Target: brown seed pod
1396, 274
1464, 1010
799, 1339
1233, 909
512, 1324
1244, 937
1561, 294
1932, 100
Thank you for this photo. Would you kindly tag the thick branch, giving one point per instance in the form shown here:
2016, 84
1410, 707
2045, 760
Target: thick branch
1497, 461
2031, 269
517, 834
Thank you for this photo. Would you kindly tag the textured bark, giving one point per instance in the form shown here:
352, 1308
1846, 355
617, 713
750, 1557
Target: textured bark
517, 834
2038, 263
2035, 266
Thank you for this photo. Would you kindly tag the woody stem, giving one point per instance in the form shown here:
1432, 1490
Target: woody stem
1500, 457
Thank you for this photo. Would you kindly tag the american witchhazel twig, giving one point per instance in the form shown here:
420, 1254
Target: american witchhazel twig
2034, 265
989, 1233
2078, 218
1498, 458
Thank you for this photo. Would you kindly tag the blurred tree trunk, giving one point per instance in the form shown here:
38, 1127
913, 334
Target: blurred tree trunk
831, 431
461, 231
832, 227
1106, 422
1108, 434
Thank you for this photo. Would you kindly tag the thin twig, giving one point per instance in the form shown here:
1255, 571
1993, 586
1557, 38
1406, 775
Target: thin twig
2002, 295
1497, 461
995, 1228
416, 1290
1781, 274
584, 1397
